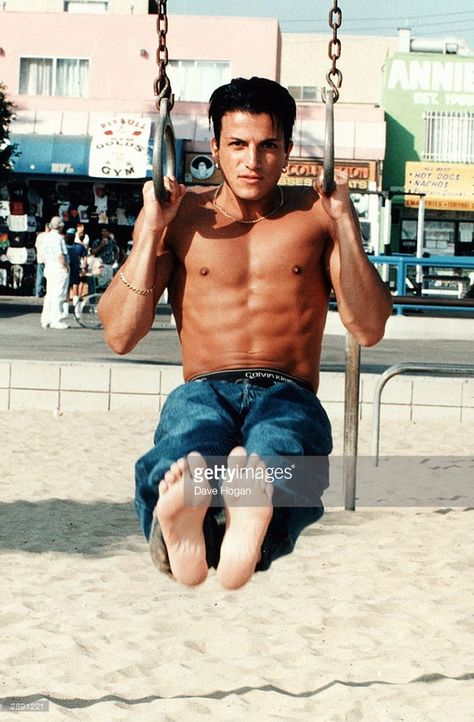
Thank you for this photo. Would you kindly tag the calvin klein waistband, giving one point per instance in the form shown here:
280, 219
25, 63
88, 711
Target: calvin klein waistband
258, 376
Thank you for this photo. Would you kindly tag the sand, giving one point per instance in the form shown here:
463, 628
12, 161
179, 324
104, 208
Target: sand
369, 619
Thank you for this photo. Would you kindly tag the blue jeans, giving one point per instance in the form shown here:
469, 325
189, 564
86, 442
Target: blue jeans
212, 417
39, 280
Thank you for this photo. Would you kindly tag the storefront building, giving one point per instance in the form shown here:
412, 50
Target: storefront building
359, 152
429, 105
86, 113
85, 107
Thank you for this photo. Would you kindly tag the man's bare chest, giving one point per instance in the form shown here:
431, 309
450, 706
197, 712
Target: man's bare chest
236, 258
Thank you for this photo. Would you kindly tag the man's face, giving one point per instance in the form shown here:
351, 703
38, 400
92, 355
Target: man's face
251, 153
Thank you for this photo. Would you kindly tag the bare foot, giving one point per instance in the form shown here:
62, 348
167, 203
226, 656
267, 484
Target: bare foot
181, 520
246, 525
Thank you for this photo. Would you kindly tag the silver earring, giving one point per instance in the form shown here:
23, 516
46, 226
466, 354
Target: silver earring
216, 164
283, 170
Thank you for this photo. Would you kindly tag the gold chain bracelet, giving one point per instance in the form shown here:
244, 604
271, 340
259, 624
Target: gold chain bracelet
140, 291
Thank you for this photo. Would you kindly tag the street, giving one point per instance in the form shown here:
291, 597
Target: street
21, 337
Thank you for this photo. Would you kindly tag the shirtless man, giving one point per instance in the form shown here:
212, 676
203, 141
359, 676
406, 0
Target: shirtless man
249, 267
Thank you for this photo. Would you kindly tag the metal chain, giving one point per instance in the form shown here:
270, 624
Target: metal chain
162, 85
334, 75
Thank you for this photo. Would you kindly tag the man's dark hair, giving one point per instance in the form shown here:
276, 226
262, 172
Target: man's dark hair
253, 95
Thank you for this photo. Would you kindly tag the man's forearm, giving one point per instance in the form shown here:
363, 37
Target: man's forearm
364, 301
127, 308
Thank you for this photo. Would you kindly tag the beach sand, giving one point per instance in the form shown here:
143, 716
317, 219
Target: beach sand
371, 618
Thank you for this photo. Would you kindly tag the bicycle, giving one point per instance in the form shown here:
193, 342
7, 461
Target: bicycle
85, 310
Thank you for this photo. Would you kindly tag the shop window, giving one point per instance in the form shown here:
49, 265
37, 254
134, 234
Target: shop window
408, 233
439, 237
449, 136
67, 77
195, 80
86, 6
466, 232
306, 93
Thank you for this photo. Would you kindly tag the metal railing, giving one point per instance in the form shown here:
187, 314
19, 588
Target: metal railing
402, 263
352, 385
425, 369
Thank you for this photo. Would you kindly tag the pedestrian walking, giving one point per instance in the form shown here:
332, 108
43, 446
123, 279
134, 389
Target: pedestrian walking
53, 254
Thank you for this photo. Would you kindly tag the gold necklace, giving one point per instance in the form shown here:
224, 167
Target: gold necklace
242, 220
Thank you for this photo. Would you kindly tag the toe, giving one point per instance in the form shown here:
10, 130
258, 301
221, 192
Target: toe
254, 460
181, 466
237, 457
238, 451
163, 487
175, 469
267, 482
196, 461
170, 477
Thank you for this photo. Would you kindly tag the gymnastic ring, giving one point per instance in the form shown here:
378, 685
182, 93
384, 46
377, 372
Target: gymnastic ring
164, 138
328, 163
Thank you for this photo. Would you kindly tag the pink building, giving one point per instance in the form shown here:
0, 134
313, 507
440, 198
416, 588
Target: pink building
65, 72
73, 76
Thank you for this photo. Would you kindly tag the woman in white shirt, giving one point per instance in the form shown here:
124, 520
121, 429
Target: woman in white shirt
53, 254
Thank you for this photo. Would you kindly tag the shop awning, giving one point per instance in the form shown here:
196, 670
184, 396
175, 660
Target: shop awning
51, 154
67, 155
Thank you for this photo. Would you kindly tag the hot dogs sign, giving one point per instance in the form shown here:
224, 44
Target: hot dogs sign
119, 148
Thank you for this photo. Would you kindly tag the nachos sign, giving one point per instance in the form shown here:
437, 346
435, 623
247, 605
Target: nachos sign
119, 148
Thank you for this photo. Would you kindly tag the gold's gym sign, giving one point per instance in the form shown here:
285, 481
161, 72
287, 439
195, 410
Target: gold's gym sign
119, 148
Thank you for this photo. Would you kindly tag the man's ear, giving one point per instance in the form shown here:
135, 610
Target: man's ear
288, 152
215, 149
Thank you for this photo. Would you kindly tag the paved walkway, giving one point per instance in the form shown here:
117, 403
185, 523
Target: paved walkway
408, 338
75, 370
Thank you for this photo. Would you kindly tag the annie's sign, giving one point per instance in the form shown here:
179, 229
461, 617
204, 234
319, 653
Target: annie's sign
119, 148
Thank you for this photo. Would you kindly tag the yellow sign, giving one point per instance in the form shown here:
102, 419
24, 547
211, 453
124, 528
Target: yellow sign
447, 186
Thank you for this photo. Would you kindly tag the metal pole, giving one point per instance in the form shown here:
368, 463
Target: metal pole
375, 216
386, 232
351, 421
420, 237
